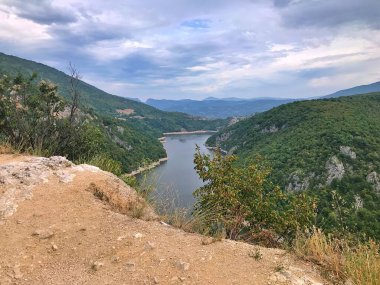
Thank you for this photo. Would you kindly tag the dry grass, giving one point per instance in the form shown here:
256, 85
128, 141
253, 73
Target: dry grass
122, 200
341, 260
6, 148
167, 204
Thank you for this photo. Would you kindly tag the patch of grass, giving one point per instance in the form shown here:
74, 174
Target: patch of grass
256, 254
341, 259
104, 163
6, 148
279, 267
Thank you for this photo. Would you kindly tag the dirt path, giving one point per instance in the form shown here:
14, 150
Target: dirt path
65, 234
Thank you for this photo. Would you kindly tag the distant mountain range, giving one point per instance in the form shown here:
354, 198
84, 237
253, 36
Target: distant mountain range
218, 108
212, 107
362, 89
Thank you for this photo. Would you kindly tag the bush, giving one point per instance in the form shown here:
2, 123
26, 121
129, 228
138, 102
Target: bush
242, 203
107, 164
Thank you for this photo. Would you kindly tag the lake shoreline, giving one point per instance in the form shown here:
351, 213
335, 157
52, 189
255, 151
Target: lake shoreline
163, 140
201, 132
214, 148
148, 167
177, 179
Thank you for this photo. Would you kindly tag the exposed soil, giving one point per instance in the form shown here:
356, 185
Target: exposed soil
77, 226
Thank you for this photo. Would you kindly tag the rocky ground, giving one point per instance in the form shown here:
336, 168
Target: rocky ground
67, 224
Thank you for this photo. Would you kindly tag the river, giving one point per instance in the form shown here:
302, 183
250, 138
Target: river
176, 178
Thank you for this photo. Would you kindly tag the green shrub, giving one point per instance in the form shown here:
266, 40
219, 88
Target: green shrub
105, 163
242, 203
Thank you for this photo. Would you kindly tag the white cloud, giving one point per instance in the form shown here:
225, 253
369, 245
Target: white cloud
21, 32
242, 43
115, 49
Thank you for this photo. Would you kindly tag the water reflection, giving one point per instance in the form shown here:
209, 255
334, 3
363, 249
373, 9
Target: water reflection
176, 179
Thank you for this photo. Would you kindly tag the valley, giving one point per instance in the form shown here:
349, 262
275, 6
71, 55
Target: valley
204, 151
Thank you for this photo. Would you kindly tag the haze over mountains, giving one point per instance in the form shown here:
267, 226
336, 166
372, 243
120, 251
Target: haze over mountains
218, 108
228, 107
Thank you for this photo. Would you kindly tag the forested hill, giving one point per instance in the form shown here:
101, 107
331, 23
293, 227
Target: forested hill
141, 115
320, 146
117, 128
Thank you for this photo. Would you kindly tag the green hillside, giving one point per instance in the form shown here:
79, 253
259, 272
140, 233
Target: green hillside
129, 137
143, 117
329, 147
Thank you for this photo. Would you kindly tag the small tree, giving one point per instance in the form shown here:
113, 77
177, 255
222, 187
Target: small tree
30, 112
74, 92
242, 202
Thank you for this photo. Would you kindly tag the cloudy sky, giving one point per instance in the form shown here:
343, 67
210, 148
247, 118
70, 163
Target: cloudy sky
200, 48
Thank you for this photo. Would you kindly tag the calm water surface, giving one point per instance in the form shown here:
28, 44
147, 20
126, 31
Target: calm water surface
176, 178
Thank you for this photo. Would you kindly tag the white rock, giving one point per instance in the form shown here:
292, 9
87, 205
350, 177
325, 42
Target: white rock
97, 265
335, 169
138, 235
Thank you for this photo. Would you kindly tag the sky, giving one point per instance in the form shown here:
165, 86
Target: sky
177, 49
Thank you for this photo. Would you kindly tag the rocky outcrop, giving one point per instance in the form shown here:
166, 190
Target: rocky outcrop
18, 180
222, 137
298, 184
347, 151
374, 179
335, 169
270, 130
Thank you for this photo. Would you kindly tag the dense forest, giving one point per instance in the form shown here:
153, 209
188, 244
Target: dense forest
329, 148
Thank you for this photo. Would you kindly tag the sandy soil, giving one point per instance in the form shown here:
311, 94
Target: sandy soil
65, 234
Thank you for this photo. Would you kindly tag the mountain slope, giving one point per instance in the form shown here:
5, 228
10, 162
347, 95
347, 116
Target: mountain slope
319, 144
218, 108
129, 129
141, 115
362, 89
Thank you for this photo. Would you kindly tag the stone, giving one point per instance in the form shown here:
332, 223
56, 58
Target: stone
54, 247
97, 265
43, 234
138, 235
156, 280
115, 259
130, 266
183, 265
165, 224
65, 177
149, 246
